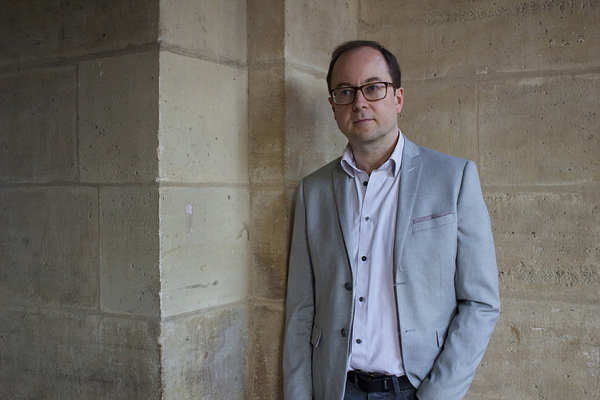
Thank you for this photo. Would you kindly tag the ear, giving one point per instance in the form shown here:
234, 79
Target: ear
399, 95
332, 104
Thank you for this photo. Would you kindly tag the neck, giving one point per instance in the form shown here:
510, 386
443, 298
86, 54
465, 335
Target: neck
370, 157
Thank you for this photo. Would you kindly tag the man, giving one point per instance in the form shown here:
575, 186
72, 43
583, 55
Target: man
392, 287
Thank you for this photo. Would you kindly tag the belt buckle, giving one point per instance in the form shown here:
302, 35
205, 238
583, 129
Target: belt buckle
375, 378
369, 375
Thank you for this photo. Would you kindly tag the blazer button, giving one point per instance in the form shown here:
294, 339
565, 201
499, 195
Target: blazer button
348, 286
343, 332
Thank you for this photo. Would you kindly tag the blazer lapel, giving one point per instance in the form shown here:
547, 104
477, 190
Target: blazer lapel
410, 174
342, 190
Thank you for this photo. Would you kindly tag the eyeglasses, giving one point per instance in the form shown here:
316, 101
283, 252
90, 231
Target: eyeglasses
371, 91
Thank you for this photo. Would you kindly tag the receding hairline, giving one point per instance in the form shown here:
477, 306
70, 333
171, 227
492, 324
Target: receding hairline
350, 46
370, 79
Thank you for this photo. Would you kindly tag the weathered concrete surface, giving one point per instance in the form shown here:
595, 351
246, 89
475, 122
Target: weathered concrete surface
441, 117
129, 248
540, 241
545, 349
68, 354
48, 246
314, 27
270, 213
204, 355
41, 30
267, 328
540, 130
266, 123
437, 39
79, 278
203, 124
118, 118
38, 125
204, 240
204, 202
214, 30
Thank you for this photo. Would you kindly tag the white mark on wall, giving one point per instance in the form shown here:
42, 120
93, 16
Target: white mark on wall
532, 81
188, 219
593, 361
241, 232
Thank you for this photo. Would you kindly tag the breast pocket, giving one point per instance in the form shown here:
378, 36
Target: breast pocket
433, 221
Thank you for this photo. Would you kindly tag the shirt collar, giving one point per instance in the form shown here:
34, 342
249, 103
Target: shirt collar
394, 162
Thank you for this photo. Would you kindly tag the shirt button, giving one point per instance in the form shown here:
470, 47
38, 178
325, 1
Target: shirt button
358, 341
364, 258
348, 286
365, 183
343, 332
361, 299
367, 218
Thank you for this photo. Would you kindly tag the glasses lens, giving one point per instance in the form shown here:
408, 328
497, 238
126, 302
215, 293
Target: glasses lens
371, 91
344, 95
374, 91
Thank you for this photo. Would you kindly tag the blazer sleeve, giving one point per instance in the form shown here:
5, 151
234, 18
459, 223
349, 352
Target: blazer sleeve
478, 303
297, 348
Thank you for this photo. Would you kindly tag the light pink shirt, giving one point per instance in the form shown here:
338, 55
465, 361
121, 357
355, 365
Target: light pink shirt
375, 342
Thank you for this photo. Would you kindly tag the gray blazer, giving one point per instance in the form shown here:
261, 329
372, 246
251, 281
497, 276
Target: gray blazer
445, 272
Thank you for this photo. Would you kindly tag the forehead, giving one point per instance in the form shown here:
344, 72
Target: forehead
358, 66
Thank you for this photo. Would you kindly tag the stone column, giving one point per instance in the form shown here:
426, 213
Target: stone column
292, 133
204, 199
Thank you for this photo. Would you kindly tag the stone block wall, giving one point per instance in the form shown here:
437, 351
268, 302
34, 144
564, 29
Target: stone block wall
204, 200
150, 150
79, 281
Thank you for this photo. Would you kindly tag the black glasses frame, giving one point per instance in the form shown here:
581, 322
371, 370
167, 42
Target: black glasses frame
357, 88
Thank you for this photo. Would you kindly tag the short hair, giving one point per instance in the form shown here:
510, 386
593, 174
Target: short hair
390, 59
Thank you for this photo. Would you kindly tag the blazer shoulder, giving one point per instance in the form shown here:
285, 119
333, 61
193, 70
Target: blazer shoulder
435, 158
324, 173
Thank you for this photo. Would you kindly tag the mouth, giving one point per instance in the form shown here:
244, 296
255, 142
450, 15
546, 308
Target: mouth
362, 121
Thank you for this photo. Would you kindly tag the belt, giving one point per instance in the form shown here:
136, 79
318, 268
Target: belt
372, 382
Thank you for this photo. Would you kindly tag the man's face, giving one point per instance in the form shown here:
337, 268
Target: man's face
365, 122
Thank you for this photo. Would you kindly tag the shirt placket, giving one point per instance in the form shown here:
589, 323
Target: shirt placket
365, 238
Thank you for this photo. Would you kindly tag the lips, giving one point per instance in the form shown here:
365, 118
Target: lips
362, 121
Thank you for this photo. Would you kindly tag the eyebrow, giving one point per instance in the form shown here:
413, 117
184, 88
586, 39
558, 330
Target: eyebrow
347, 84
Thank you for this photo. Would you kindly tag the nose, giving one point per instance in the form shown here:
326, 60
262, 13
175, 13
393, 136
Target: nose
359, 100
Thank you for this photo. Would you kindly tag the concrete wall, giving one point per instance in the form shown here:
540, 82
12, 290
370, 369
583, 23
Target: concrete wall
124, 201
149, 153
79, 281
204, 199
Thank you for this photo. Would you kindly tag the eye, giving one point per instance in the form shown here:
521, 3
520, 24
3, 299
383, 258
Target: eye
345, 92
374, 87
